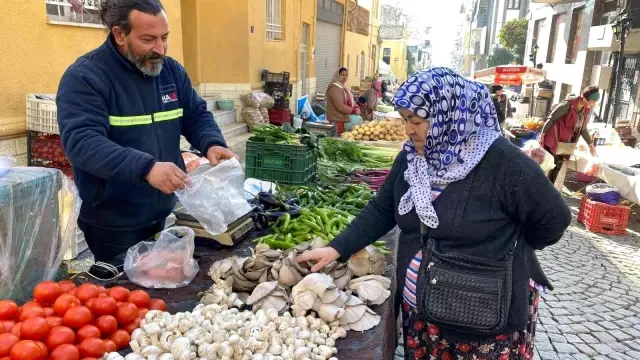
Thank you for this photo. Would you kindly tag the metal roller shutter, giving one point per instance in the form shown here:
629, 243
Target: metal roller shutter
327, 53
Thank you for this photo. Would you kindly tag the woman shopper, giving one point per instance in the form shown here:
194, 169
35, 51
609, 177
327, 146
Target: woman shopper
340, 100
566, 123
465, 186
368, 102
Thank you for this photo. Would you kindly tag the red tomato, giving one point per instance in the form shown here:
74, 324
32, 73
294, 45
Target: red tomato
31, 311
86, 291
7, 324
66, 285
119, 293
26, 350
89, 358
107, 324
139, 298
86, 332
54, 321
77, 317
15, 330
92, 347
104, 306
6, 343
64, 303
8, 310
72, 292
101, 290
121, 338
110, 346
46, 292
90, 302
30, 304
60, 335
49, 311
35, 328
131, 327
158, 304
126, 313
5, 358
65, 352
142, 313
43, 348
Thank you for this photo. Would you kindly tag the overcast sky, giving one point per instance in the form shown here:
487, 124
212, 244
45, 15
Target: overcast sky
443, 31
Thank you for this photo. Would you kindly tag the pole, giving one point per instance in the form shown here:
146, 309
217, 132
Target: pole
607, 107
534, 54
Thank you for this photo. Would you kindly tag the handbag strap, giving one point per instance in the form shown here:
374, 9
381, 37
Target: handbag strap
424, 235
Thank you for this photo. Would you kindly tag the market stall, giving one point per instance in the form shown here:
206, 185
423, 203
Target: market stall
191, 293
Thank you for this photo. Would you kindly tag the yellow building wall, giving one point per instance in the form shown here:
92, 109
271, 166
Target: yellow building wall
35, 54
355, 45
227, 40
399, 51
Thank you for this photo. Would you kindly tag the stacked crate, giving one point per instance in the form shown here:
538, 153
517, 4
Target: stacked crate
43, 135
277, 86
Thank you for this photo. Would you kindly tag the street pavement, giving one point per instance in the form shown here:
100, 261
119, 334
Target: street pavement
594, 310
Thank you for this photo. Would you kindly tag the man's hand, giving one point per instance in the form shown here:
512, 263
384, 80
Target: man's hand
592, 149
219, 153
167, 177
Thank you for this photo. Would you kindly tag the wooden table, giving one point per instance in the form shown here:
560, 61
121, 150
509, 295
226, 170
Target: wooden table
377, 343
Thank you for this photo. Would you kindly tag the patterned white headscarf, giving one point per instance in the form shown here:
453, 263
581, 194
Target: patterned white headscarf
463, 125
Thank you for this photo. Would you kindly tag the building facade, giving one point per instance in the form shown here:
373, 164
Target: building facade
361, 47
394, 44
41, 38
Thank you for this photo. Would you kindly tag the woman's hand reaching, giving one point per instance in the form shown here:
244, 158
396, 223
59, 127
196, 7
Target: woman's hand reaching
323, 256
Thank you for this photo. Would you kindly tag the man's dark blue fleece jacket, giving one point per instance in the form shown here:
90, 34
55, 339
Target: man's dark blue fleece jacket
116, 123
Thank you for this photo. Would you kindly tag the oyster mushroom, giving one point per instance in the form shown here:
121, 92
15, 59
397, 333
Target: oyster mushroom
368, 261
371, 290
368, 320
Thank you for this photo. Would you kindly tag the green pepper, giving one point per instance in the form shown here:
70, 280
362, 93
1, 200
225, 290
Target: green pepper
312, 225
286, 222
322, 214
380, 243
277, 244
288, 238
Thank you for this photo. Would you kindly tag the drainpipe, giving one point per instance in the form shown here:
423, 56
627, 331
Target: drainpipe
344, 31
607, 107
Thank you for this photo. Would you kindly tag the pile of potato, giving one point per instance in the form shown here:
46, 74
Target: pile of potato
389, 130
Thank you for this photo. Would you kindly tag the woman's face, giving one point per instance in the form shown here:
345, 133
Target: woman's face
344, 75
417, 129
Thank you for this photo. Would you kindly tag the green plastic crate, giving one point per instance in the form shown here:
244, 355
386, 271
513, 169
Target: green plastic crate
285, 164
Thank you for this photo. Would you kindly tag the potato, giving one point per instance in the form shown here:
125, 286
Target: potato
365, 138
388, 138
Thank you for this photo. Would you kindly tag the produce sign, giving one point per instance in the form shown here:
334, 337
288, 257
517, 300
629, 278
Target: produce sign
65, 322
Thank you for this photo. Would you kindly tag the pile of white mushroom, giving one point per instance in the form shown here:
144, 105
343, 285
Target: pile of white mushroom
215, 332
317, 292
245, 273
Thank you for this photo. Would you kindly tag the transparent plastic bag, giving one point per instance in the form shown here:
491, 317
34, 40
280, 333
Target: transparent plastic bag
257, 99
253, 117
163, 264
38, 223
593, 166
216, 197
5, 164
533, 149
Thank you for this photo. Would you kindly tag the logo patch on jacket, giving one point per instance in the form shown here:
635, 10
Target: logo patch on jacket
168, 93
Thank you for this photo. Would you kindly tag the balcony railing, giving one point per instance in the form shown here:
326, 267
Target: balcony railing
86, 4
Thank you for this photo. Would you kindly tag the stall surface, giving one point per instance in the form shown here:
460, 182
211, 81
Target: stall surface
377, 343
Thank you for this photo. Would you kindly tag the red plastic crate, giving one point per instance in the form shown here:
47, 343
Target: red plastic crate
48, 147
280, 116
603, 218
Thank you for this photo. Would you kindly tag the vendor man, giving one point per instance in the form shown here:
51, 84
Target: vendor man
121, 110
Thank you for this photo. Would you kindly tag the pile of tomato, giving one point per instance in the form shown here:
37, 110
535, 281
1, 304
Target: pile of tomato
65, 322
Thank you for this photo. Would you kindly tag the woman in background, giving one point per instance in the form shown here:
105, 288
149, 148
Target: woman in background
340, 100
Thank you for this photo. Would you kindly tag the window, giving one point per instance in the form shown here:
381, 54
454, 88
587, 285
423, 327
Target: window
553, 38
575, 35
74, 12
513, 4
386, 55
274, 20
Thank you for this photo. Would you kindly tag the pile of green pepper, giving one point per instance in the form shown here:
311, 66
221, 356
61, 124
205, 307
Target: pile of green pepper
350, 198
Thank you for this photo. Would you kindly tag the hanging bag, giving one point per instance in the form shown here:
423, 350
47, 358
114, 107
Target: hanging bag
464, 293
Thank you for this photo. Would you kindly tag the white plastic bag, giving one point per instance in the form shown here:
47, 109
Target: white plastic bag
216, 197
163, 264
593, 166
539, 155
5, 164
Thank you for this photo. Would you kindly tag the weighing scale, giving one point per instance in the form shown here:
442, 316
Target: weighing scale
236, 231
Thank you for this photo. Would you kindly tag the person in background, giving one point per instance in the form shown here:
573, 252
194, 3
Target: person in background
505, 106
496, 92
340, 100
367, 103
121, 110
377, 85
566, 123
478, 202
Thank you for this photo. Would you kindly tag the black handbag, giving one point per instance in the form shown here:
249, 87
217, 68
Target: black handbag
464, 293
